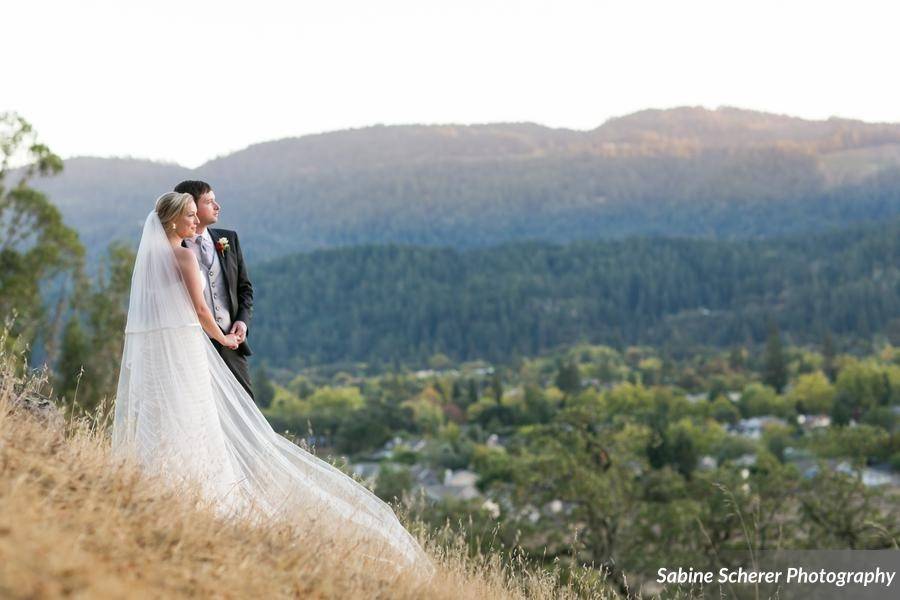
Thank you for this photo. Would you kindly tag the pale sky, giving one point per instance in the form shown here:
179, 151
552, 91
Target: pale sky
185, 81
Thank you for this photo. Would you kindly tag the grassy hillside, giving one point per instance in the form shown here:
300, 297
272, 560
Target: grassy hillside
74, 522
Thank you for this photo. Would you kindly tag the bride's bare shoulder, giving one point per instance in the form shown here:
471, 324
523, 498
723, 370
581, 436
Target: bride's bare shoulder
184, 256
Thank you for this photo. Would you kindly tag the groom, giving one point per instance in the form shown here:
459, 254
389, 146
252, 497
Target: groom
229, 293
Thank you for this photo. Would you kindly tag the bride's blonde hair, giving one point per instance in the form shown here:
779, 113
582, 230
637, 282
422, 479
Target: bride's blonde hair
170, 206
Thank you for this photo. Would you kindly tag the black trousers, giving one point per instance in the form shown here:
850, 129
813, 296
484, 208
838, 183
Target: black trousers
237, 363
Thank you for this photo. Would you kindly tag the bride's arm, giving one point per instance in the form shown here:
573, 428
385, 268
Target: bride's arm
187, 262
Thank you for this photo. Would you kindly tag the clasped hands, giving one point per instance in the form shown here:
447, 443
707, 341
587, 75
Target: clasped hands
237, 335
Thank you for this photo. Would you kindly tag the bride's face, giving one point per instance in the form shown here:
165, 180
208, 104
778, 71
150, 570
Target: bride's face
186, 224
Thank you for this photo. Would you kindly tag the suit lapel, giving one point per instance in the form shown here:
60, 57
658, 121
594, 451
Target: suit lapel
223, 260
225, 263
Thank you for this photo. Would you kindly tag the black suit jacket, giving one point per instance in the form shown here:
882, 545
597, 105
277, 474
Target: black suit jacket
240, 290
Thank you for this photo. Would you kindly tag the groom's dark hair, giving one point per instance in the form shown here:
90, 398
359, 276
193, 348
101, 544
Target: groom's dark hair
194, 188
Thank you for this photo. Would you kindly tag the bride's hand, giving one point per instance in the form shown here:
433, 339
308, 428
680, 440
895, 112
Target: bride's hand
231, 341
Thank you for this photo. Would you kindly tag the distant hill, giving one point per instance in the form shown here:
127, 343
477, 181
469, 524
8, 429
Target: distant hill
721, 173
381, 304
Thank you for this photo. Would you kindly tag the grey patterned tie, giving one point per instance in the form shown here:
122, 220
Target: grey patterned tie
205, 251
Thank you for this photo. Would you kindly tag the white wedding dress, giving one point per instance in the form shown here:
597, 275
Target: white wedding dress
180, 412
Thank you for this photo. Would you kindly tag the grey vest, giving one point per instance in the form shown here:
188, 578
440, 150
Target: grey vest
216, 291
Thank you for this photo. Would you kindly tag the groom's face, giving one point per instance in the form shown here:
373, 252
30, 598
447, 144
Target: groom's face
207, 208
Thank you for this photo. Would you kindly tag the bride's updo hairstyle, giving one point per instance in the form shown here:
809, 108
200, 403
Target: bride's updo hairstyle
170, 206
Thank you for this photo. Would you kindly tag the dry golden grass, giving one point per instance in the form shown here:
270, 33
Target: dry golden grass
75, 522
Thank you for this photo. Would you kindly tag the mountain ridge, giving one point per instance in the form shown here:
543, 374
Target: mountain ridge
688, 171
628, 128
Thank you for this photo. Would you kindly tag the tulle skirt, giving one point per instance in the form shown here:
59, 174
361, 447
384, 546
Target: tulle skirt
181, 413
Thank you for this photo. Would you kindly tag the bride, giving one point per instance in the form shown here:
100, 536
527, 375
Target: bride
181, 412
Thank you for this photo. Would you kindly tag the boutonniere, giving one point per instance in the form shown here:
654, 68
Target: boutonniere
222, 245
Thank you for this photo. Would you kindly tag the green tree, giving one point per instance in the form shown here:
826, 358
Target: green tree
588, 464
372, 425
70, 368
758, 400
859, 443
774, 362
92, 342
329, 407
683, 451
537, 407
777, 438
568, 378
393, 483
427, 414
724, 411
739, 509
471, 392
440, 361
736, 358
839, 511
36, 247
264, 389
497, 386
843, 409
828, 357
812, 393
866, 384
301, 386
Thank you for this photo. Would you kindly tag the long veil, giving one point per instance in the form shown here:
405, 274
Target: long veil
180, 410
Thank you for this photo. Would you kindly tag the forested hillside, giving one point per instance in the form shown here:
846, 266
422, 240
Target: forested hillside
379, 304
689, 172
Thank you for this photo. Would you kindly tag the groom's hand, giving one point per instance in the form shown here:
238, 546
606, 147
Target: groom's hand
239, 328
